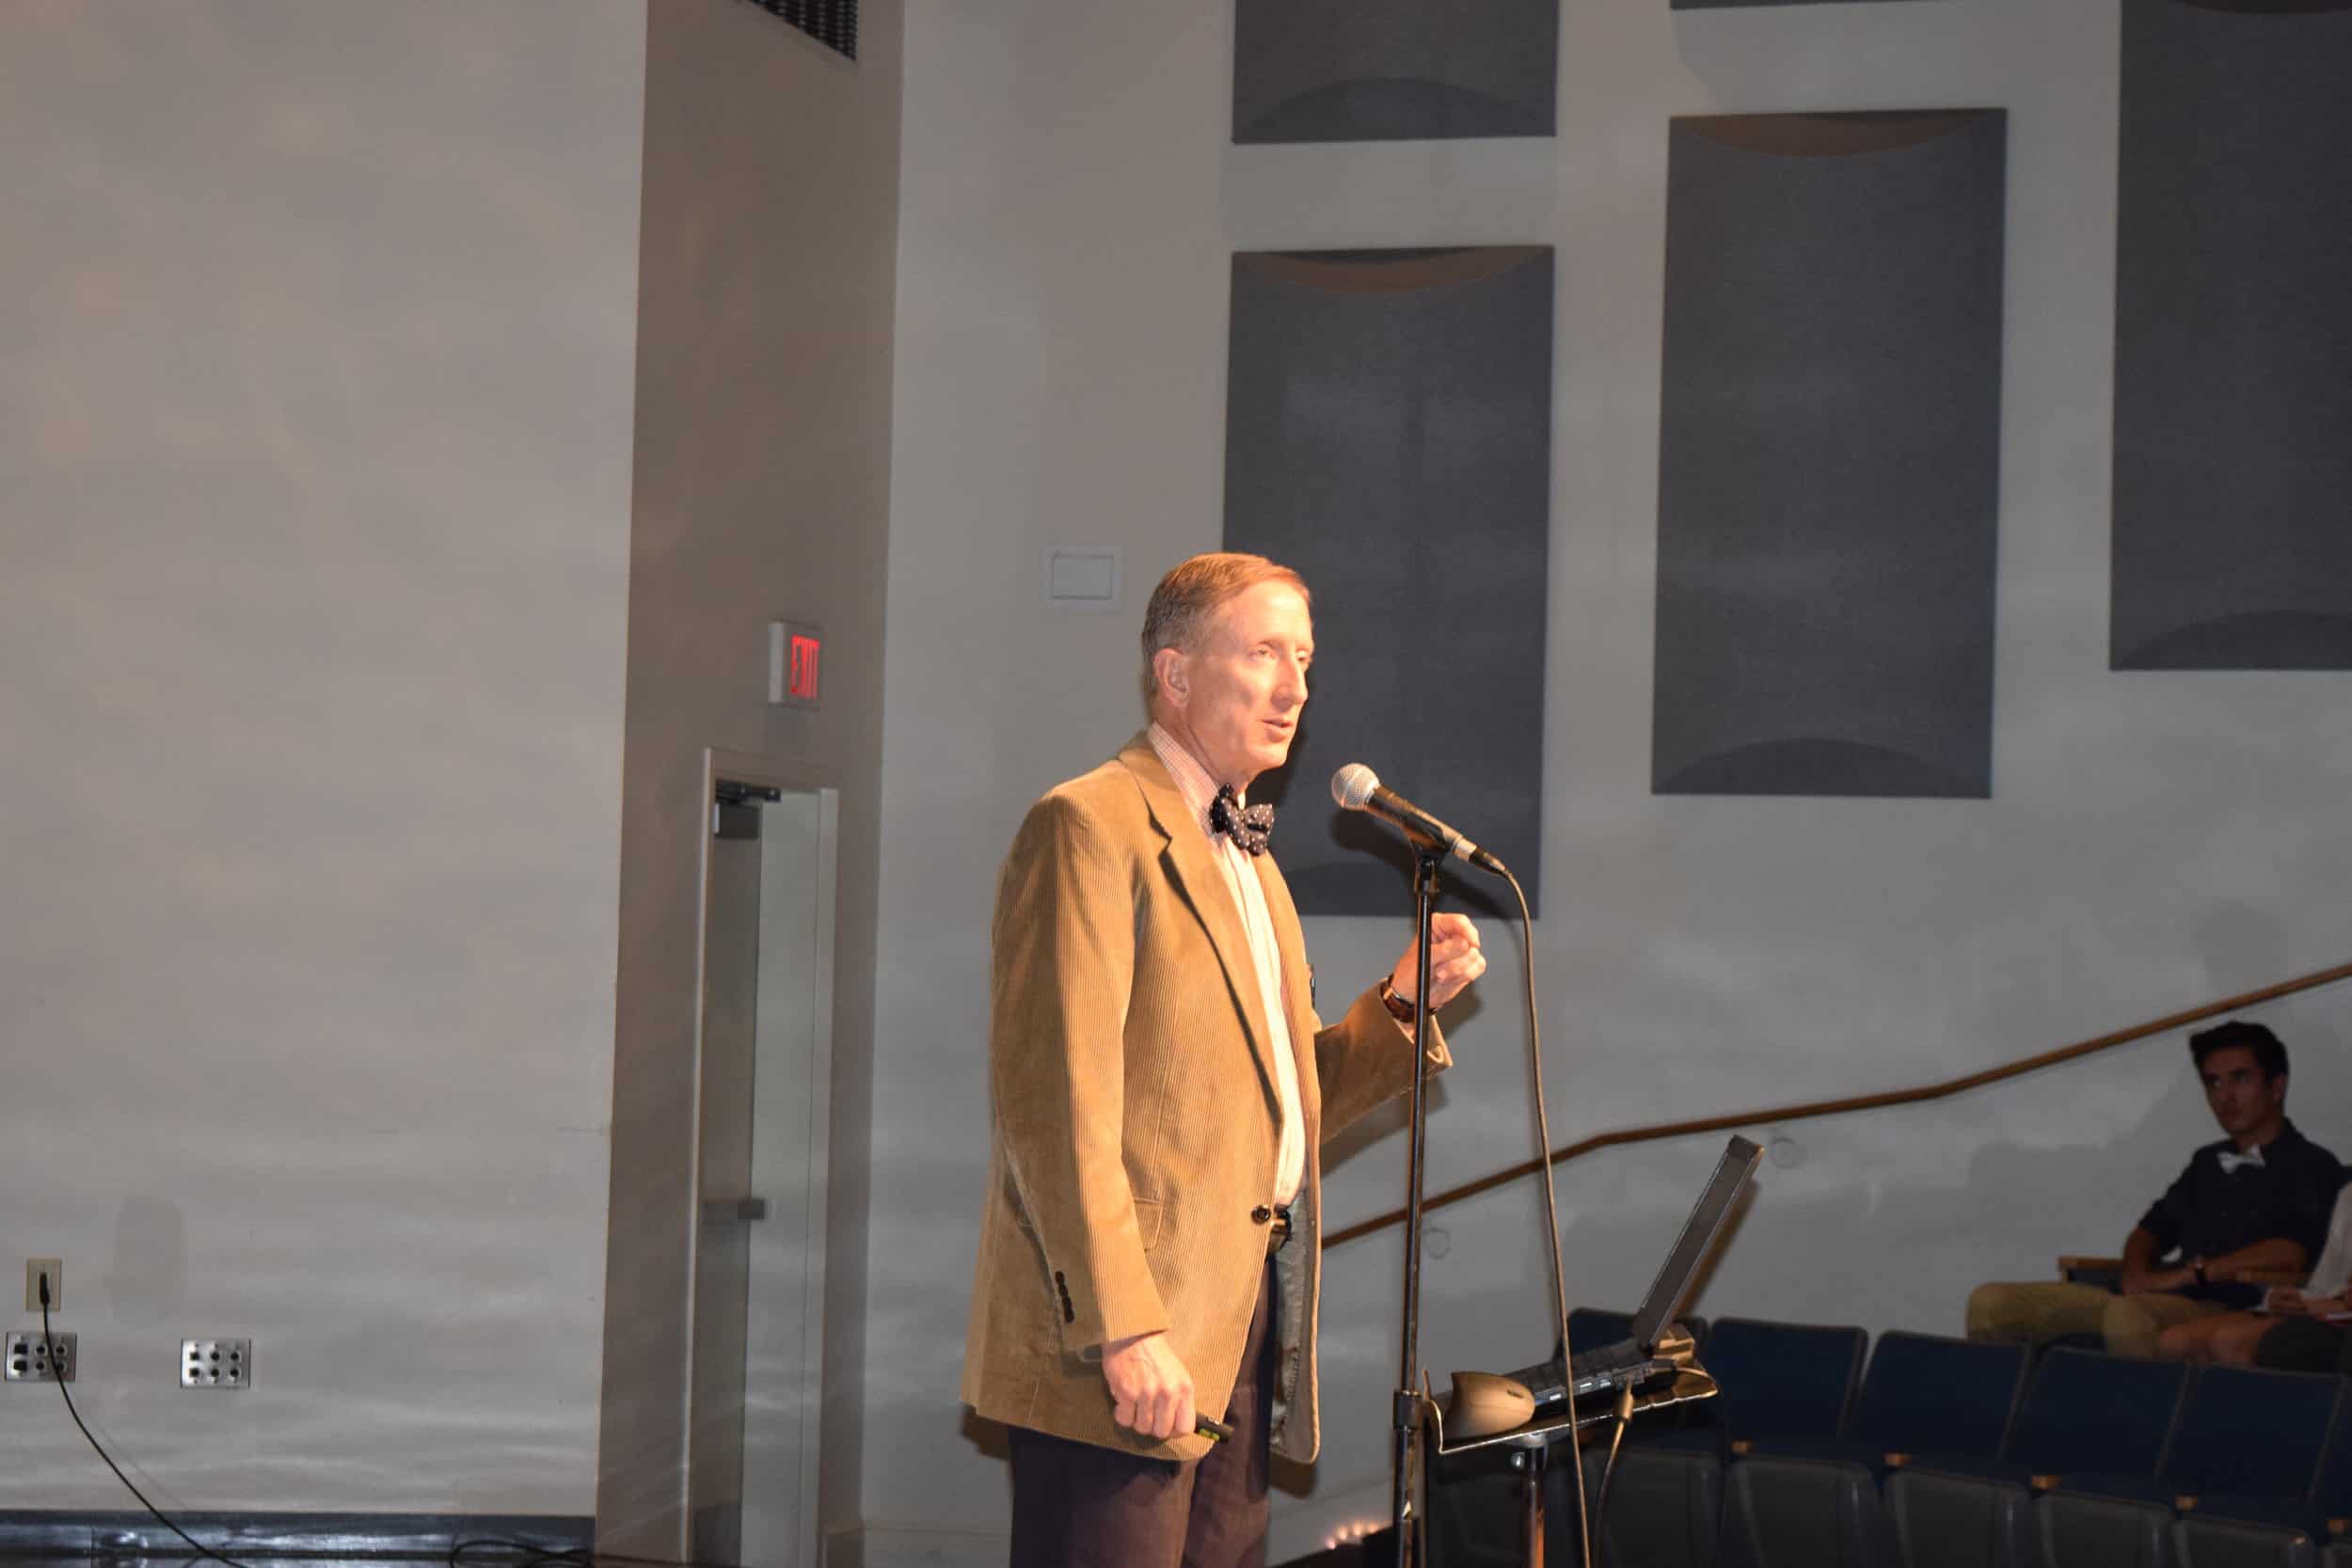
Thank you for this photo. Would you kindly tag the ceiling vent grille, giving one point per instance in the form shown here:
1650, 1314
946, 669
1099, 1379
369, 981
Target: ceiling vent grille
831, 22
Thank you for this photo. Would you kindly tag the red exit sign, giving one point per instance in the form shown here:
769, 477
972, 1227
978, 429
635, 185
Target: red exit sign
796, 653
802, 679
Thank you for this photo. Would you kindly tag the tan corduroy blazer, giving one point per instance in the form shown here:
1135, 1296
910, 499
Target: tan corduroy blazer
1135, 1115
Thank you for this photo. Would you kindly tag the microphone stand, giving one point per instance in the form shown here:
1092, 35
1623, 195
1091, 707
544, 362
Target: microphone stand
1427, 856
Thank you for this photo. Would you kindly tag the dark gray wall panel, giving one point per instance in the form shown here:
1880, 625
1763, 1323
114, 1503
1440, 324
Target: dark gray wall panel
1388, 433
1323, 70
1829, 454
2233, 338
1729, 5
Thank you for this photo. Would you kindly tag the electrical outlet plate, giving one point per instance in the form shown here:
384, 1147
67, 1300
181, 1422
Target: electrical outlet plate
34, 1269
215, 1363
35, 1358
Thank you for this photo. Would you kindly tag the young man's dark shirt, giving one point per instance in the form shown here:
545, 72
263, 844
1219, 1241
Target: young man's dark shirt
2208, 1212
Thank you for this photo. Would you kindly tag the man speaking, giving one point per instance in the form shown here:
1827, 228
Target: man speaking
1161, 1083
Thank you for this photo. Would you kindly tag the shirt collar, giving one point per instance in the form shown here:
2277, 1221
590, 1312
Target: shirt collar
2288, 1137
1192, 780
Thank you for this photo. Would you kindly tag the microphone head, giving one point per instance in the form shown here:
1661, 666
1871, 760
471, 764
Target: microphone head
1352, 786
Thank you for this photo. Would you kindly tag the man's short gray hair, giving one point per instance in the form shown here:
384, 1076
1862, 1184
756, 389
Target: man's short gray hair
1191, 593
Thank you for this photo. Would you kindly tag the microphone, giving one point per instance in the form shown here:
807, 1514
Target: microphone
1358, 788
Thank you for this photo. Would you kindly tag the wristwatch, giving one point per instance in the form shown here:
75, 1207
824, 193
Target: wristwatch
1398, 1007
2197, 1269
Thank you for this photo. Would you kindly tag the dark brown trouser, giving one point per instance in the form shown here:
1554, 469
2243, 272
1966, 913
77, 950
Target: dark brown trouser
1078, 1506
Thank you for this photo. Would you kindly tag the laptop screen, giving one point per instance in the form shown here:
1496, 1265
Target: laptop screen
1673, 1283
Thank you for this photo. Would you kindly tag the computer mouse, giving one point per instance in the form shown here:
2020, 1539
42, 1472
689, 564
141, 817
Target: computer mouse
1487, 1403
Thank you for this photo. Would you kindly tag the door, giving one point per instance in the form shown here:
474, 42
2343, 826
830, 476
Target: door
763, 1101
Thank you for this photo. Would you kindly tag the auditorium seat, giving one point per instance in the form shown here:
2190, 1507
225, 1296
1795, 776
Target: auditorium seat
1473, 1511
1798, 1502
1792, 1512
2202, 1542
2085, 1530
2263, 1527
1929, 1394
2251, 1441
1591, 1327
1664, 1508
1924, 1394
2245, 1441
2106, 1461
2331, 1494
2090, 1418
1780, 1382
1954, 1521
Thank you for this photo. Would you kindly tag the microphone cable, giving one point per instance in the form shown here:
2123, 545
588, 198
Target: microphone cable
1551, 1224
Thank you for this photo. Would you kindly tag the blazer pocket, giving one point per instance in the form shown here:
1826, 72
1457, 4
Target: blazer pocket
1150, 1212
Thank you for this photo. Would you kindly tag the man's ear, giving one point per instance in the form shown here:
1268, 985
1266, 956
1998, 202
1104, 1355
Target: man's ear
1170, 677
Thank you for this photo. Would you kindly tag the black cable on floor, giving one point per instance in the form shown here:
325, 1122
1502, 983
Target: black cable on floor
462, 1554
466, 1554
49, 1342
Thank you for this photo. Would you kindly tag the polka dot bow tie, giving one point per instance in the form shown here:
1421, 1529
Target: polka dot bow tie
1247, 826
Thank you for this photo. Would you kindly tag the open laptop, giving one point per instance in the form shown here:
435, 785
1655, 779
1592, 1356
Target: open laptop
1630, 1360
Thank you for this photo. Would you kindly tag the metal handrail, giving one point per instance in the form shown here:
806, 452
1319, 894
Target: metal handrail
1857, 1103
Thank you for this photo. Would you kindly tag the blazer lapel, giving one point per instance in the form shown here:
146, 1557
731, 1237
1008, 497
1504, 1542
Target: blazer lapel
1193, 868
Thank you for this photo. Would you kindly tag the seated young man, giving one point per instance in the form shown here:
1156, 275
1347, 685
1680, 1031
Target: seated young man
2298, 1328
2257, 1199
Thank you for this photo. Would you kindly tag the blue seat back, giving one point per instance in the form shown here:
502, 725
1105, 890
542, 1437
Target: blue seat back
1928, 1394
1783, 1382
2331, 1494
1590, 1328
2253, 1433
2087, 1411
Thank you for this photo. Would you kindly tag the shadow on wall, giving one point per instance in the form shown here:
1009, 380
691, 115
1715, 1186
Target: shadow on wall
2016, 1232
2240, 947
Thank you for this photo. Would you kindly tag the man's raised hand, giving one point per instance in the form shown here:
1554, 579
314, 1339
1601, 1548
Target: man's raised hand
1454, 961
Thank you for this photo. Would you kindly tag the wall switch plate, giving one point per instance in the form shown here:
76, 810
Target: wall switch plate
215, 1363
31, 1357
35, 1268
1083, 575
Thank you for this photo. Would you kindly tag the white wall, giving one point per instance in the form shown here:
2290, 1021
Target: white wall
1070, 205
314, 419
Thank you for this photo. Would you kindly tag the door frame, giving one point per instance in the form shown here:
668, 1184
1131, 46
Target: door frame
791, 777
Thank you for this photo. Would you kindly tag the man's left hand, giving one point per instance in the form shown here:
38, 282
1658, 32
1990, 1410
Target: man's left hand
1454, 961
